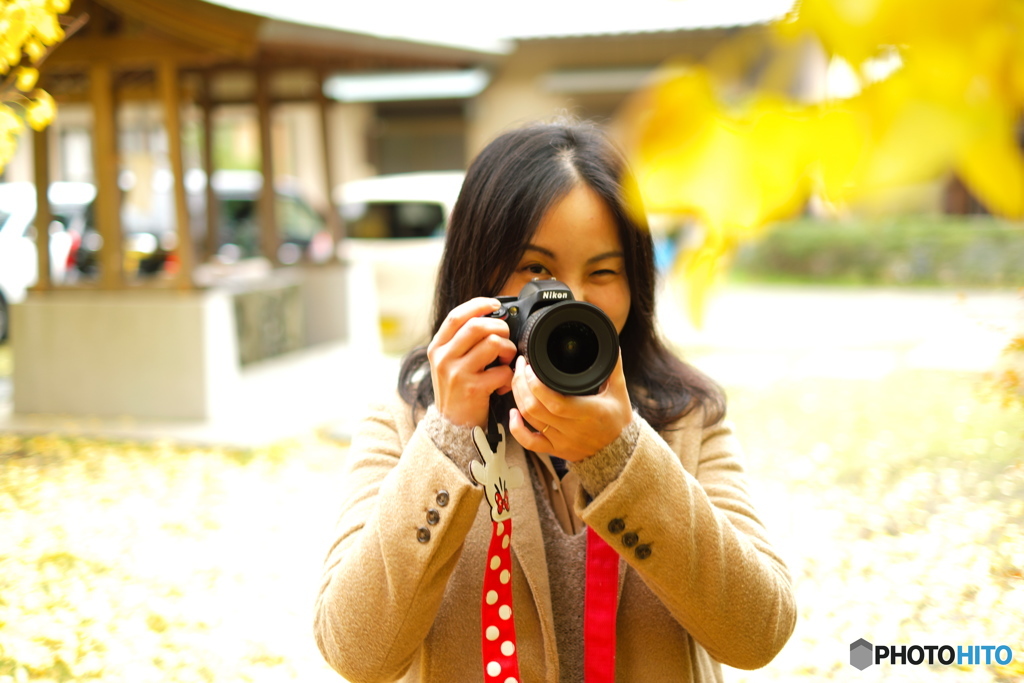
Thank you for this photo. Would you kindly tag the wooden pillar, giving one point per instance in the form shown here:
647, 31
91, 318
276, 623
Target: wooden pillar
41, 171
334, 221
108, 195
269, 238
170, 96
212, 214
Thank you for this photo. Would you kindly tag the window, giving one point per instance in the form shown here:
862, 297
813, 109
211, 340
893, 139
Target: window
381, 220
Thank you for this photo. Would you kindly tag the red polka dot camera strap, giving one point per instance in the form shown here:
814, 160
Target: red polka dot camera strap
498, 631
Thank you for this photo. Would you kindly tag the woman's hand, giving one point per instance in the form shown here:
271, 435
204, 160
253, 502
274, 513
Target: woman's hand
569, 427
460, 353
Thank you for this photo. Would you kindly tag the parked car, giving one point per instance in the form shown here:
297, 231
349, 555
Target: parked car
70, 206
302, 229
145, 251
151, 240
399, 206
394, 227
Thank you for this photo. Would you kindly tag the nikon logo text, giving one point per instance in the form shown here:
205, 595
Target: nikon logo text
554, 295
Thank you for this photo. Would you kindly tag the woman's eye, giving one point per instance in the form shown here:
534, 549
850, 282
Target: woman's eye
536, 269
605, 271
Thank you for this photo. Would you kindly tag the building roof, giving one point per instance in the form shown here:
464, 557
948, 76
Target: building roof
493, 27
195, 32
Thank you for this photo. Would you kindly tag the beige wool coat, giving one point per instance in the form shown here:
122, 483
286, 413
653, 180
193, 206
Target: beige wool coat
400, 597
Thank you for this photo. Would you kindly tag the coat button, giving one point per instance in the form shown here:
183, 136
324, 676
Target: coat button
616, 526
630, 539
442, 498
642, 551
423, 534
433, 516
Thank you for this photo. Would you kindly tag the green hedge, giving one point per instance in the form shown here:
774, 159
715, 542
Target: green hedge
949, 251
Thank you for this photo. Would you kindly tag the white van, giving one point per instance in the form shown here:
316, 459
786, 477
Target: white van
394, 233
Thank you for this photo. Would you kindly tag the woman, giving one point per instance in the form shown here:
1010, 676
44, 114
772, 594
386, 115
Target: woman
646, 464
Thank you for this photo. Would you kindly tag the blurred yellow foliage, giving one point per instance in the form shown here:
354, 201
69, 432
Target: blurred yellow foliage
28, 28
949, 101
1008, 376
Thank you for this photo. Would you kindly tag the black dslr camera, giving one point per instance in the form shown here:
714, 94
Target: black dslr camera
571, 345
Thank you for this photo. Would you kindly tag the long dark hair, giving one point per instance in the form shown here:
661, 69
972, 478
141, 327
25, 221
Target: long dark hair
507, 190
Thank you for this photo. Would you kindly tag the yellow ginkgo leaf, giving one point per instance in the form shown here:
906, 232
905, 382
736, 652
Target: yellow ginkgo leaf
993, 168
34, 49
10, 123
48, 28
937, 88
26, 78
17, 29
40, 112
11, 52
701, 270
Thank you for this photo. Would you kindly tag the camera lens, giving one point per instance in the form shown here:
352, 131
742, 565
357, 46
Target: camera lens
572, 346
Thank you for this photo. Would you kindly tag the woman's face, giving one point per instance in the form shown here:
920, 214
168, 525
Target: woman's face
577, 243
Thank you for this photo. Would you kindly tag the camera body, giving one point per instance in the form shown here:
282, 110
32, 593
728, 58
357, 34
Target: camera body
572, 345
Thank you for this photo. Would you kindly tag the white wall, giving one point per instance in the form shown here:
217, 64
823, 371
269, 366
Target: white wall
144, 354
162, 354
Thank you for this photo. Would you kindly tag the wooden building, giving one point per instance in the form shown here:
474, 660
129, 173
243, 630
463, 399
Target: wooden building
167, 345
189, 52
